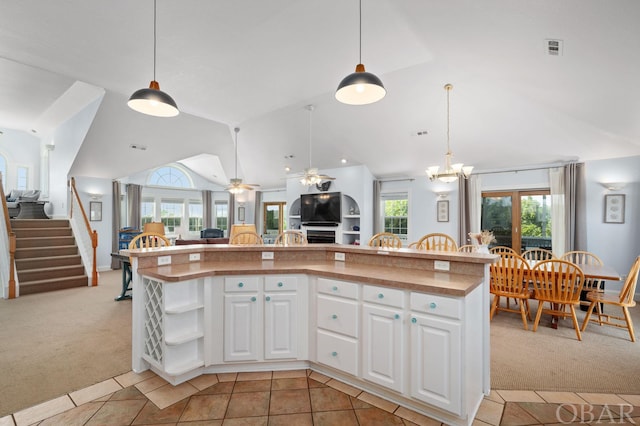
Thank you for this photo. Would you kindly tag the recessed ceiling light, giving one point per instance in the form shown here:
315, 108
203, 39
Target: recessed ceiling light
287, 169
344, 161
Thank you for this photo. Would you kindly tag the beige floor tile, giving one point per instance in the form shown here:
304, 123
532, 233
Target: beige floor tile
43, 411
96, 391
519, 396
117, 413
289, 374
495, 397
561, 397
299, 419
376, 416
332, 418
131, 378
204, 381
477, 422
6, 421
206, 407
329, 399
248, 404
75, 417
376, 401
169, 394
257, 375
601, 398
293, 401
247, 421
319, 377
291, 383
416, 418
227, 377
490, 412
150, 384
631, 399
252, 386
343, 387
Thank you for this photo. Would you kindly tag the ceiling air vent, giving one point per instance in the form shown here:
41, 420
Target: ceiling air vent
553, 47
138, 146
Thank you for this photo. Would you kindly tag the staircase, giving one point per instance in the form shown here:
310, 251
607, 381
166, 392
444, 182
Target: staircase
47, 257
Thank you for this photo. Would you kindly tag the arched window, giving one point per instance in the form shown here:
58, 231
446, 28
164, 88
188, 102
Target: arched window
170, 176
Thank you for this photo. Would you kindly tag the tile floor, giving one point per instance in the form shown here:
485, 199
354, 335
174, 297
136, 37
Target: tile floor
297, 398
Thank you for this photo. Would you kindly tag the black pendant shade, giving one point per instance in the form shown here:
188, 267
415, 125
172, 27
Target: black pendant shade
153, 101
360, 88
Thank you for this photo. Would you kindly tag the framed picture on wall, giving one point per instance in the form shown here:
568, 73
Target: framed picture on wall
241, 214
614, 208
95, 211
443, 211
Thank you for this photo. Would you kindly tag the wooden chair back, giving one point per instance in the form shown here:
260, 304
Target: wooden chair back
291, 238
246, 238
385, 239
468, 248
509, 278
437, 241
413, 245
584, 258
557, 282
538, 254
628, 290
149, 240
238, 228
502, 249
154, 227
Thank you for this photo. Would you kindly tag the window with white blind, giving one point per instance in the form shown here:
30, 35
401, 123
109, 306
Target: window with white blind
221, 212
171, 214
22, 178
195, 216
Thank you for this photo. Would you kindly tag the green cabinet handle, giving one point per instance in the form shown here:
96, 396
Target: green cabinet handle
413, 320
280, 284
268, 298
253, 299
335, 288
334, 316
432, 305
380, 296
240, 284
396, 316
334, 353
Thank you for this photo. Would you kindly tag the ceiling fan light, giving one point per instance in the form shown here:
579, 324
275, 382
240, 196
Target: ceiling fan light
466, 171
360, 88
153, 101
457, 168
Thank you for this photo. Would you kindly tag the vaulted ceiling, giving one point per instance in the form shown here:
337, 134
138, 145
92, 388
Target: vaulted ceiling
257, 64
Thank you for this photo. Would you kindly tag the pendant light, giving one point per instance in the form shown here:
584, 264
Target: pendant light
153, 101
451, 172
360, 87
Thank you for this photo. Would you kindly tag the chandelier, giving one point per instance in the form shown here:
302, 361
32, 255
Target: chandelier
451, 172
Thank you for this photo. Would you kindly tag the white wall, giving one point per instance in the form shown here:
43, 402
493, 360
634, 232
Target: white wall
20, 149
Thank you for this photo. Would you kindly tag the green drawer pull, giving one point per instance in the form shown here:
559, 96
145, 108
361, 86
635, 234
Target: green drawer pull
334, 353
380, 296
334, 316
268, 298
280, 284
396, 316
432, 305
335, 288
253, 299
413, 320
240, 284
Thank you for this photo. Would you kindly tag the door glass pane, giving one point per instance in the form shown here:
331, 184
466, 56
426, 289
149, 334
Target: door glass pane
496, 217
536, 221
272, 219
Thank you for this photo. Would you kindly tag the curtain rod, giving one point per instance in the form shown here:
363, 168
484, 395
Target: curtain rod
396, 180
526, 169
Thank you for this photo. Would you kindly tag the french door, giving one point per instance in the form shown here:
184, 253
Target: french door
519, 219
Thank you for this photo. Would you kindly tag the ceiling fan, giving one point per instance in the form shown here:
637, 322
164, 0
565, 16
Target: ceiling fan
310, 176
235, 184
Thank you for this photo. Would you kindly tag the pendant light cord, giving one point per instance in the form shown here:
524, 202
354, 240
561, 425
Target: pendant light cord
154, 40
360, 46
448, 144
237, 130
310, 108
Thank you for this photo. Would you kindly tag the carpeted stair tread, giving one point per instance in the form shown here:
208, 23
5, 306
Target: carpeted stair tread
47, 261
38, 223
56, 240
31, 275
31, 252
53, 284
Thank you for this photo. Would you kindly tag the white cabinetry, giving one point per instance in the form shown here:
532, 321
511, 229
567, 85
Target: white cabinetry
261, 318
173, 325
436, 346
383, 336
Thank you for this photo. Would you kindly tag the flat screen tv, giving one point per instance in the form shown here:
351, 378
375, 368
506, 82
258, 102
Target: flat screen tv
321, 209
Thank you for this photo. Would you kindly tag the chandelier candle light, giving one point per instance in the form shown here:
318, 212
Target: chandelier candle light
451, 172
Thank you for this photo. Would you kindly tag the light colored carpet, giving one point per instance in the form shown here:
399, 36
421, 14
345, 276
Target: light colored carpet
59, 342
605, 361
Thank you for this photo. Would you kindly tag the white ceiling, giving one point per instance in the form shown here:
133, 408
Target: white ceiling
256, 64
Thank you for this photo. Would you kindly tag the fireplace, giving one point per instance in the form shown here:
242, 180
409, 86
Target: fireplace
315, 236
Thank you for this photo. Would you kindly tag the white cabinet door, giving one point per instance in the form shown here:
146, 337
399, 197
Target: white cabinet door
242, 328
436, 362
382, 346
280, 325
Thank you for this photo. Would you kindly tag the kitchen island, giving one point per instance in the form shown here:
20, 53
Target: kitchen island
409, 326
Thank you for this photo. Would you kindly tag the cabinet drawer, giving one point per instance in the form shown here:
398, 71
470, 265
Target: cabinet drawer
437, 305
338, 352
275, 283
338, 288
338, 315
241, 284
383, 296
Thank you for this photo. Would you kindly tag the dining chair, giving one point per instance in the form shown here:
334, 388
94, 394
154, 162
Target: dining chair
437, 241
385, 239
537, 254
502, 249
623, 300
246, 238
509, 277
291, 238
580, 257
558, 283
149, 240
413, 245
468, 248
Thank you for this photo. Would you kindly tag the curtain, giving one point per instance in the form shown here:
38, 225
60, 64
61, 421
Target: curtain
134, 200
464, 220
115, 223
470, 207
258, 211
377, 214
575, 206
207, 209
231, 212
556, 186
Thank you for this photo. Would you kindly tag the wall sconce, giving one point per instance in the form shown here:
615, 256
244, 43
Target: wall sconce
442, 194
95, 196
613, 186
